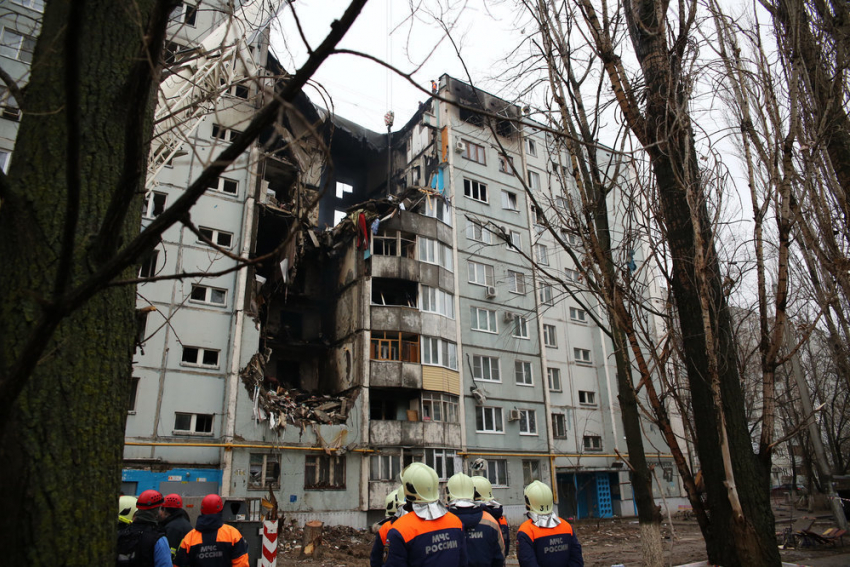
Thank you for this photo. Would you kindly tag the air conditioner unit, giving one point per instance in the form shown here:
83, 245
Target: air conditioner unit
460, 146
491, 291
509, 316
513, 415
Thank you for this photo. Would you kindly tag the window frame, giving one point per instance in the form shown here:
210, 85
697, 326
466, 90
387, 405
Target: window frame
436, 208
444, 350
510, 201
132, 394
266, 460
571, 275
530, 471
496, 417
546, 290
199, 358
489, 273
503, 164
481, 358
559, 425
514, 242
542, 254
219, 184
432, 251
574, 315
388, 467
523, 373
444, 456
19, 47
447, 405
531, 146
478, 233
475, 190
335, 475
214, 236
193, 424
439, 297
223, 133
594, 445
580, 358
528, 421
554, 372
184, 14
500, 469
152, 199
516, 282
534, 182
148, 264
550, 336
470, 155
207, 295
475, 319
587, 398
520, 327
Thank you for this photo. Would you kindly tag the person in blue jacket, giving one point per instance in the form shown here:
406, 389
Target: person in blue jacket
428, 535
394, 510
545, 540
484, 495
484, 546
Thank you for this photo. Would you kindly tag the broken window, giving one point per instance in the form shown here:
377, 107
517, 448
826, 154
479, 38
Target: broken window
475, 190
209, 295
224, 185
184, 13
193, 424
470, 116
559, 426
224, 134
394, 292
154, 204
324, 472
342, 189
147, 269
439, 407
530, 472
195, 356
217, 237
509, 201
394, 345
8, 106
133, 388
384, 467
394, 243
383, 406
264, 471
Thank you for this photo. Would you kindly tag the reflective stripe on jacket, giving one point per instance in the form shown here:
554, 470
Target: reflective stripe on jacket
211, 547
414, 542
548, 547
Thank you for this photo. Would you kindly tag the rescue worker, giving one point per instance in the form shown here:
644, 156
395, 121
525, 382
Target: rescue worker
394, 510
212, 543
175, 521
545, 540
428, 535
484, 546
142, 544
484, 494
126, 511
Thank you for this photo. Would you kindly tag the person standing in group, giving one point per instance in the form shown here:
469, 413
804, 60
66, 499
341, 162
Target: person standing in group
545, 540
175, 521
126, 511
428, 535
394, 510
212, 543
484, 494
142, 543
484, 546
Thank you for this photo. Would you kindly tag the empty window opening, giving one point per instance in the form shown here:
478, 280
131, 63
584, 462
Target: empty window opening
394, 243
154, 204
264, 472
324, 472
193, 424
342, 189
400, 293
383, 405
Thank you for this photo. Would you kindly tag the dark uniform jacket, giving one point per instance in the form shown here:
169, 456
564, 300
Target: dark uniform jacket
176, 527
414, 542
376, 558
212, 544
497, 513
548, 547
484, 546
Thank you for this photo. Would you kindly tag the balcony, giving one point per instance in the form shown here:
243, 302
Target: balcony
395, 374
414, 433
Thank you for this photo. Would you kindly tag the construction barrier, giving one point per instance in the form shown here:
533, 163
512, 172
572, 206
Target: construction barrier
269, 558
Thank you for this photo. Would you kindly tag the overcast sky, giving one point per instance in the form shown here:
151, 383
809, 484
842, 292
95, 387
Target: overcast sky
485, 30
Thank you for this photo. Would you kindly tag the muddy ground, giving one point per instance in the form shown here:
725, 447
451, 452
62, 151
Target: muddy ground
605, 543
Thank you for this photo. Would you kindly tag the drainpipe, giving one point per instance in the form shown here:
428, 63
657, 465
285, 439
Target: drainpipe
236, 337
610, 392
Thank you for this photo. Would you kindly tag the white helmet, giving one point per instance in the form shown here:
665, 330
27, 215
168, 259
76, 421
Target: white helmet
392, 503
483, 489
126, 509
460, 487
538, 498
421, 483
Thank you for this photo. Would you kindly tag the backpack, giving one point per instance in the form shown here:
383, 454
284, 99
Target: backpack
135, 545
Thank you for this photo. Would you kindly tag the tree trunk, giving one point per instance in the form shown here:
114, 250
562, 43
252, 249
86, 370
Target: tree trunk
62, 446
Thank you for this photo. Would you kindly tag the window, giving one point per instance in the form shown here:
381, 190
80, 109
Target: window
527, 422
439, 407
562, 203
217, 237
530, 471
324, 472
4, 161
442, 461
438, 352
485, 368
184, 14
559, 426
220, 132
592, 443
549, 338
554, 376
434, 252
542, 254
210, 295
488, 420
522, 373
239, 91
505, 164
154, 204
483, 320
581, 355
37, 5
574, 240
587, 398
224, 185
516, 280
514, 240
16, 45
571, 275
473, 152
509, 201
497, 472
475, 190
147, 269
520, 327
195, 356
481, 274
546, 294
393, 345
193, 424
342, 189
435, 300
531, 146
438, 209
8, 106
132, 391
534, 180
264, 472
476, 232
384, 467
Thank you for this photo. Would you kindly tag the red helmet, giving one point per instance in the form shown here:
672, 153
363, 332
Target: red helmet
211, 504
148, 500
172, 501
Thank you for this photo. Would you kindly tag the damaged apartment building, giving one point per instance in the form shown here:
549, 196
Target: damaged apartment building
393, 314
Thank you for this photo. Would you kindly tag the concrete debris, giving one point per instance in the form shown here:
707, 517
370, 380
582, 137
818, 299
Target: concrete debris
281, 407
